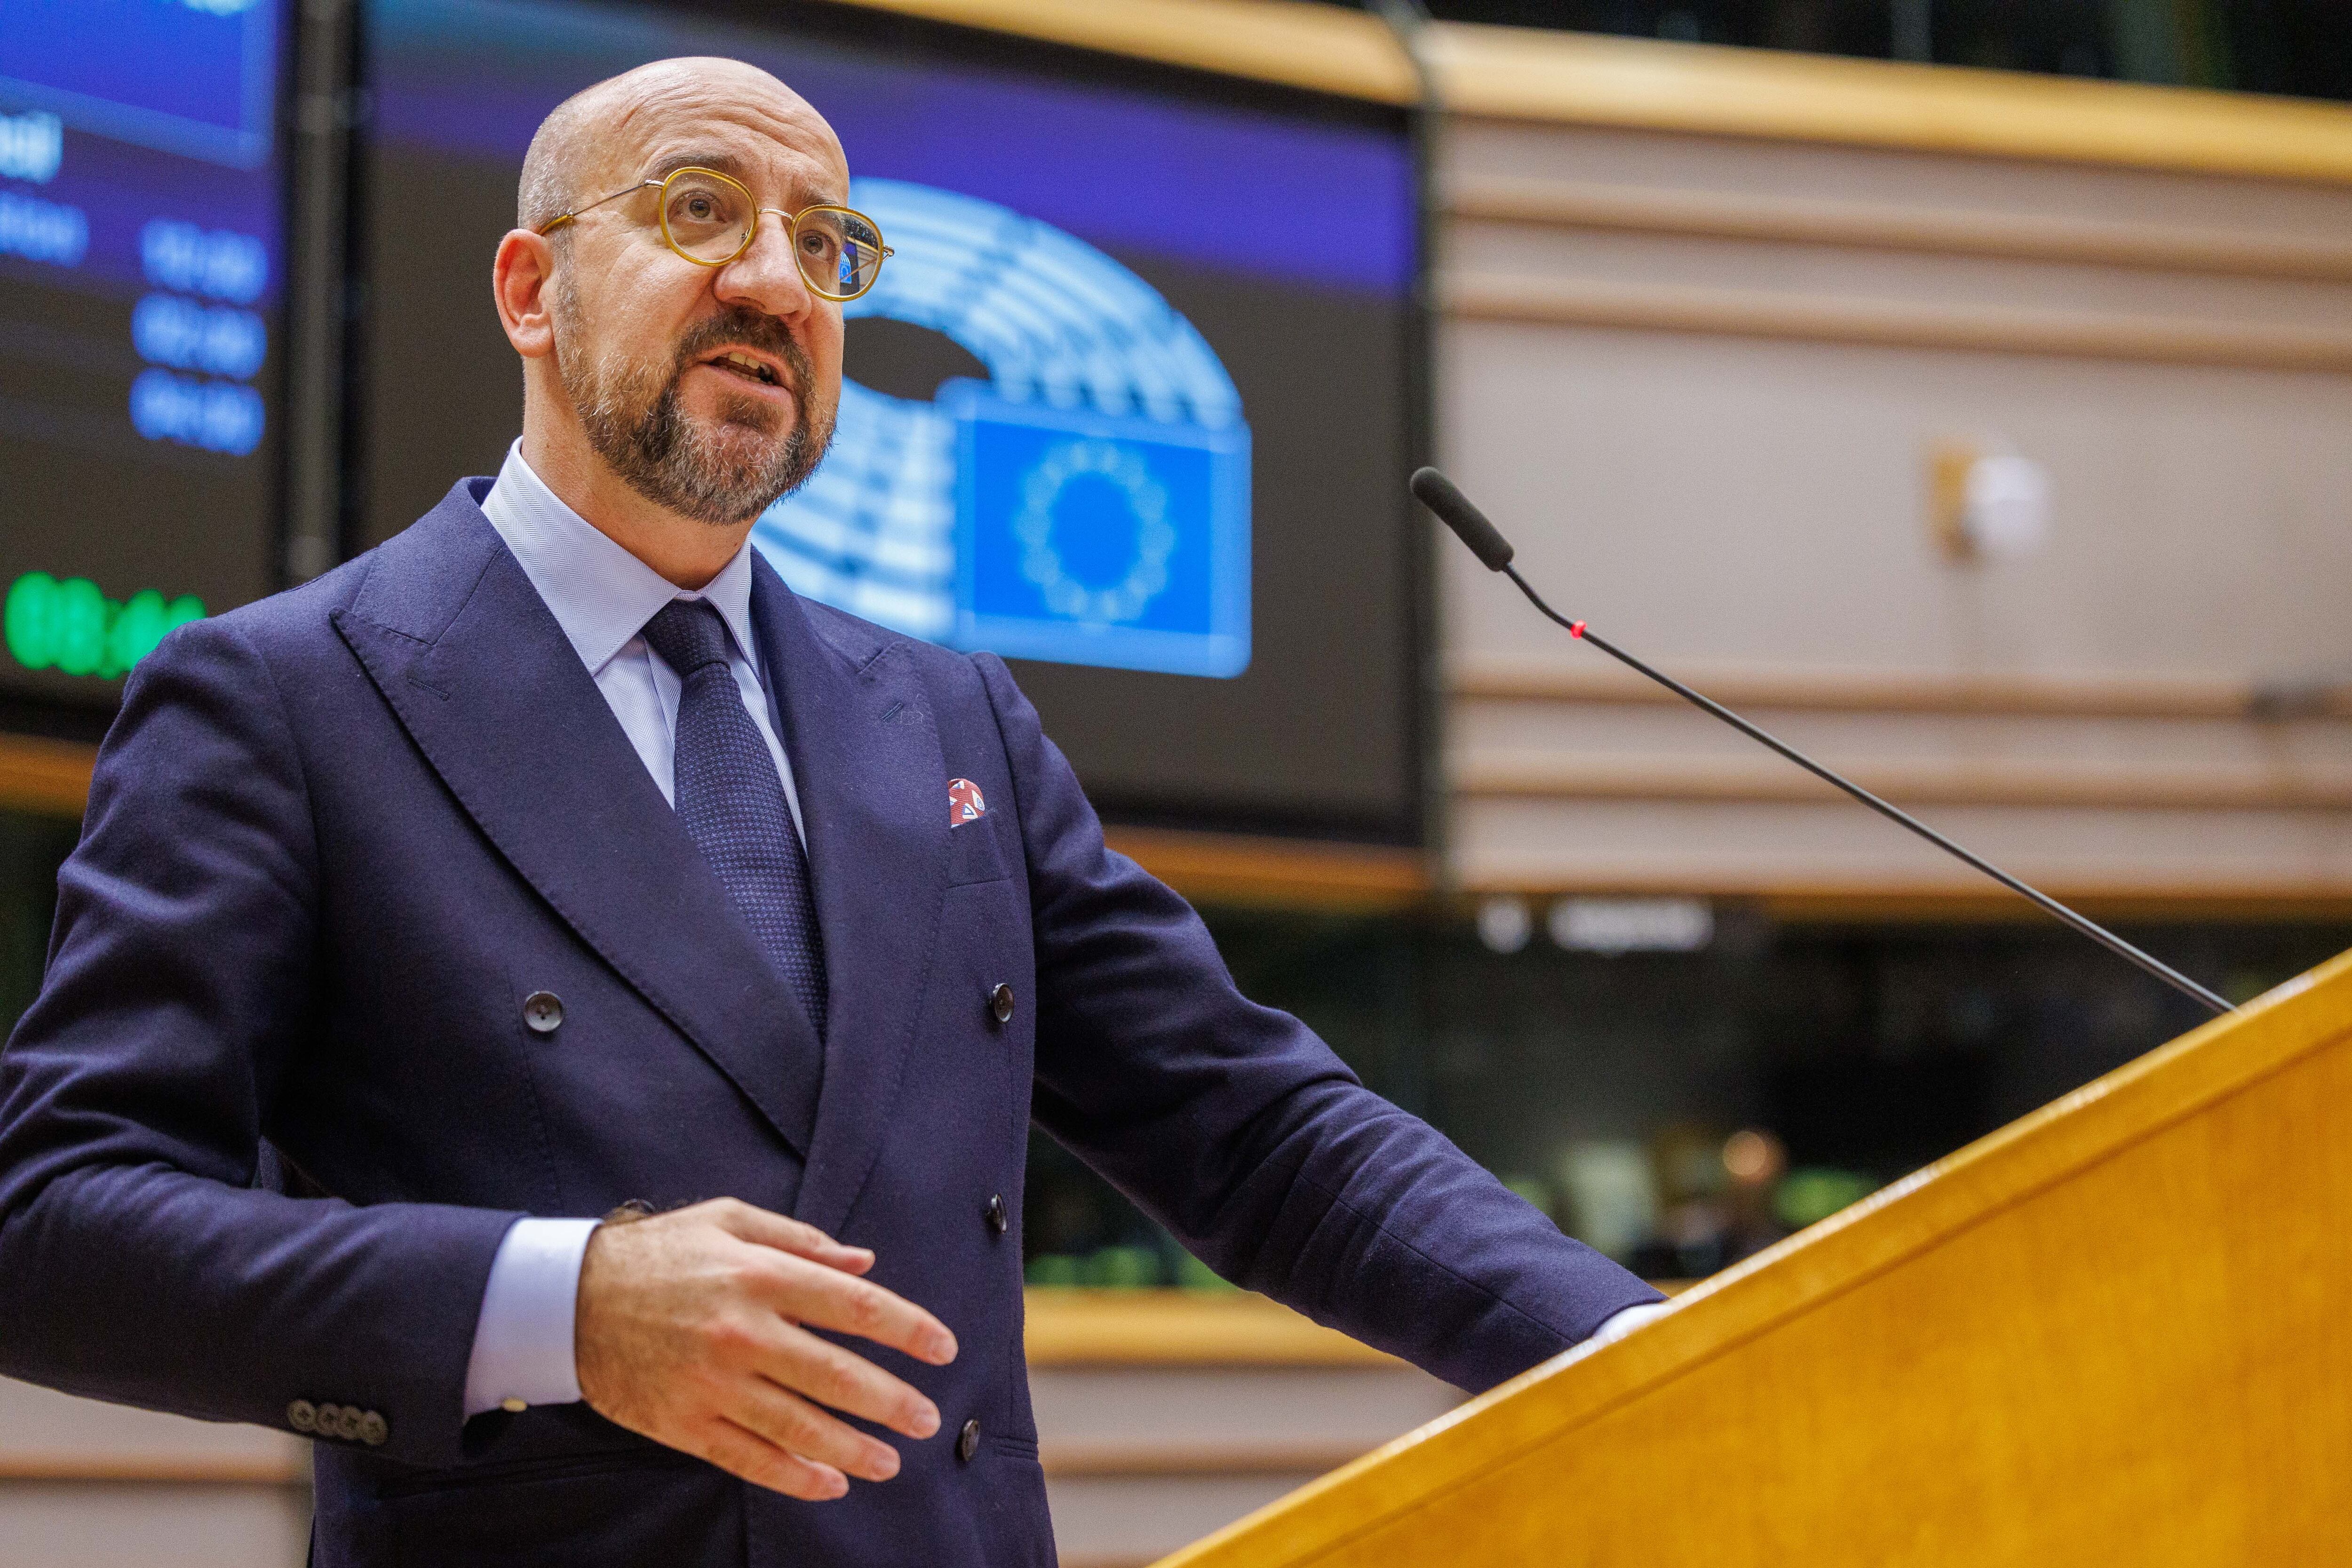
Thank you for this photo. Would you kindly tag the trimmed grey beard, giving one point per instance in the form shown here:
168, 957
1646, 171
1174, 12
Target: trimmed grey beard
719, 474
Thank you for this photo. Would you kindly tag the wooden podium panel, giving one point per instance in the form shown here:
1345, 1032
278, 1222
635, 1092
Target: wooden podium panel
2118, 1331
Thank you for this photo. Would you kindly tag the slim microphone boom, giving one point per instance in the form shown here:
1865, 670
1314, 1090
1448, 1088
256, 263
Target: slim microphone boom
1440, 495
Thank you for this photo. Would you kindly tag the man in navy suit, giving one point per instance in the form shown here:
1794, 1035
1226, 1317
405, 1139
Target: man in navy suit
554, 860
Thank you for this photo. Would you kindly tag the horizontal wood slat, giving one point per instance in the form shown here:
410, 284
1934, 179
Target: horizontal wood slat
120, 1469
2174, 786
1790, 220
52, 777
1234, 868
1957, 897
1302, 1460
1887, 323
1514, 73
144, 1470
1885, 904
1182, 1328
2052, 694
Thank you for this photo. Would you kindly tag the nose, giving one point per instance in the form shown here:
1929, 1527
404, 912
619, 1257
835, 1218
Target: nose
766, 275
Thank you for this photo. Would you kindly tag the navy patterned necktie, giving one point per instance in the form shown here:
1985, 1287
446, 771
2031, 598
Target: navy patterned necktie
731, 799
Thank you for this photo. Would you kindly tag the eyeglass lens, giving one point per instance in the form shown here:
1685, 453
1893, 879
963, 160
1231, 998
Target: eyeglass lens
710, 219
707, 217
840, 253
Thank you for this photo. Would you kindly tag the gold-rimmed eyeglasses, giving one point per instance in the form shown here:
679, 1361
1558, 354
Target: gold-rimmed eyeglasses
709, 218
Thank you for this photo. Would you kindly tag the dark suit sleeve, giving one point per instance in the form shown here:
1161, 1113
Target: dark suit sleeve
1236, 1128
138, 1263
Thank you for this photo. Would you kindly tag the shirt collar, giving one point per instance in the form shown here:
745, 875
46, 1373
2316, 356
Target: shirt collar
600, 594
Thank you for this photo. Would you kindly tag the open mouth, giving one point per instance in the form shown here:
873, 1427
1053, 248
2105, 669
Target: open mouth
735, 362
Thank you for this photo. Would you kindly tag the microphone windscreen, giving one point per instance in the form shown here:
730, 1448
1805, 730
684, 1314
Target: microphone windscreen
1441, 495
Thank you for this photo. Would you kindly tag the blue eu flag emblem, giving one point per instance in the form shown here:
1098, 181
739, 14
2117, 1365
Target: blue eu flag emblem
1087, 538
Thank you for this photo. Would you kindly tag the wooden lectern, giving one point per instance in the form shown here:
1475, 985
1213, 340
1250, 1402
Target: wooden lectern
2117, 1332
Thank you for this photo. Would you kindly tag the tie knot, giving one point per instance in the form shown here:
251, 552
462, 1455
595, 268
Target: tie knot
690, 635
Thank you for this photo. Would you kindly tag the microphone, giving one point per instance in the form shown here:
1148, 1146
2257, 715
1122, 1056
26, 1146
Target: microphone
1442, 496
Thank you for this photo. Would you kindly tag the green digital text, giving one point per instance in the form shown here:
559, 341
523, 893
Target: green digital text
71, 627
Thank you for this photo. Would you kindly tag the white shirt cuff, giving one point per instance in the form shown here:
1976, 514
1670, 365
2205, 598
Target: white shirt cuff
1617, 1325
522, 1340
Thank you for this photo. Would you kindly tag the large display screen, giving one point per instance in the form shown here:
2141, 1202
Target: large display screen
1129, 404
140, 201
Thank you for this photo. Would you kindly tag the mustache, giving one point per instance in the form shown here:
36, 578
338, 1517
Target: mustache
739, 327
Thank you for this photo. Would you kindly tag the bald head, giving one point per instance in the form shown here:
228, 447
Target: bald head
671, 396
592, 142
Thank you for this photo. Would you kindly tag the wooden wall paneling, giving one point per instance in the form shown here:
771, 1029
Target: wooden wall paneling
1695, 377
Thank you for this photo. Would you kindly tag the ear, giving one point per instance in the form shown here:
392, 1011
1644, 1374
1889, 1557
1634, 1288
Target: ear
519, 281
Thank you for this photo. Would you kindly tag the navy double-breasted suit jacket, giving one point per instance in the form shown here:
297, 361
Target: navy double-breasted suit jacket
335, 839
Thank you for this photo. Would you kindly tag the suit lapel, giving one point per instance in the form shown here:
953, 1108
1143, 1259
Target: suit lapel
866, 765
473, 663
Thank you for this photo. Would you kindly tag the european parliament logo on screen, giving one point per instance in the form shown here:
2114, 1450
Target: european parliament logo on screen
1088, 504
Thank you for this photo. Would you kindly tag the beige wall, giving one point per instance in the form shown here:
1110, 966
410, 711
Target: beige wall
1696, 379
103, 1485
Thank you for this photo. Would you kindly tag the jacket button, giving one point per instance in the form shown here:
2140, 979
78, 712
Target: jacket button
543, 1011
374, 1429
302, 1416
994, 1213
1000, 1004
968, 1440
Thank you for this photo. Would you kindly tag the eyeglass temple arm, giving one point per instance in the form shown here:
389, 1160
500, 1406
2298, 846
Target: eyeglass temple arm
560, 219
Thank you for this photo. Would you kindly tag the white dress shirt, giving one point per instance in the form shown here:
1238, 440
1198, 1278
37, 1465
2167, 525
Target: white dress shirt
601, 596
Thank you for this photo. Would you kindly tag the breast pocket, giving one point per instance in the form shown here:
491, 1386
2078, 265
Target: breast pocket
976, 853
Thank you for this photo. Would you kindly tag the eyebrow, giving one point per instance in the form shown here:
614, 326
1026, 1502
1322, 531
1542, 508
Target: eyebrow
729, 164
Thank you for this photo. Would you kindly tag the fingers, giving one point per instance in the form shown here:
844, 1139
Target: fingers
830, 1300
746, 1223
689, 1328
779, 1417
741, 1453
830, 1374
